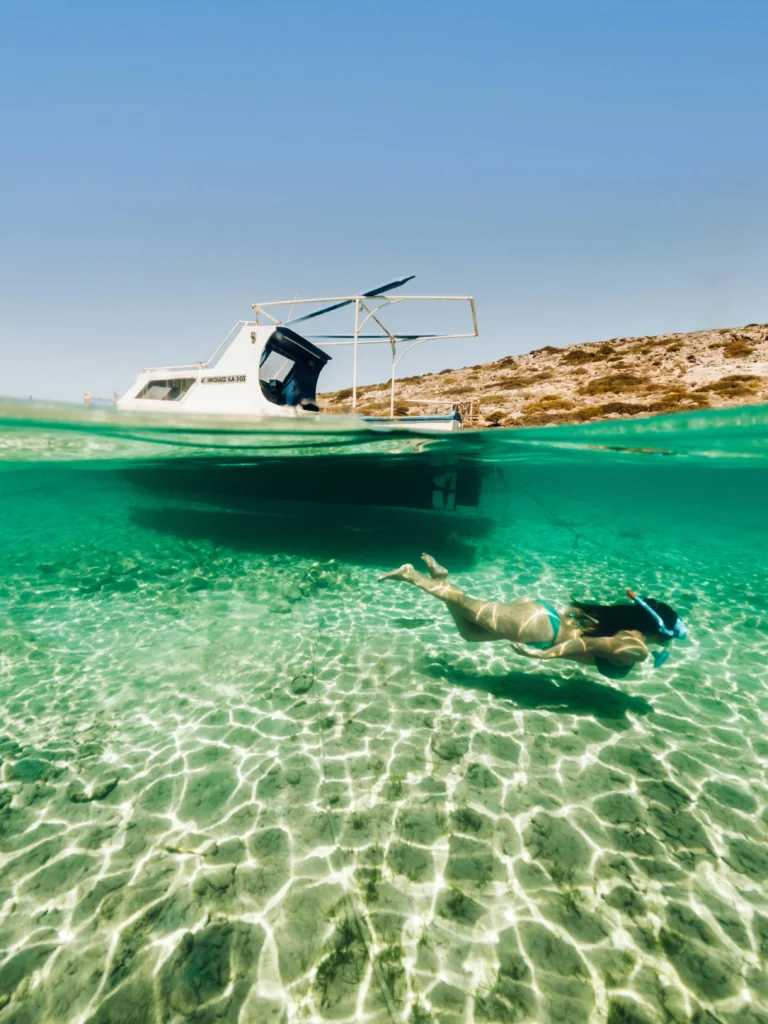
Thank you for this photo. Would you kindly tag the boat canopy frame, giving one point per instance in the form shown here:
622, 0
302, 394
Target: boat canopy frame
365, 305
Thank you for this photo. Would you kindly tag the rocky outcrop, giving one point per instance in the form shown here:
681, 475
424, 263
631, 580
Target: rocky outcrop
600, 380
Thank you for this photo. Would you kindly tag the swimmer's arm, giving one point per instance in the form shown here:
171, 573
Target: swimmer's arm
625, 649
568, 649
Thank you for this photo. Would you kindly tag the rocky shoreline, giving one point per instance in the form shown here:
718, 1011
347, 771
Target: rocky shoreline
621, 377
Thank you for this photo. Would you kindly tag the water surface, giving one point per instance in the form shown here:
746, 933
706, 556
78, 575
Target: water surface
243, 781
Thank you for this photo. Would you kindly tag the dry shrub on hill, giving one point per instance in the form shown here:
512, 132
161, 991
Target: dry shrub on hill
495, 417
590, 412
674, 394
735, 385
520, 381
548, 403
583, 415
612, 384
645, 345
677, 402
737, 349
511, 383
665, 404
577, 356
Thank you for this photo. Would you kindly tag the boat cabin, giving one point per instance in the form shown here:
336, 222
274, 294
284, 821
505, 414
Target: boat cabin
256, 371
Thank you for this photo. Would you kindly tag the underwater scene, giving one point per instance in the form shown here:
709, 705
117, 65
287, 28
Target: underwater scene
245, 781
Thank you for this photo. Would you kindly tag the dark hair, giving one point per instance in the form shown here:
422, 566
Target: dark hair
611, 618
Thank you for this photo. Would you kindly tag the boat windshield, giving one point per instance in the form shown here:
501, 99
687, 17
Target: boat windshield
289, 369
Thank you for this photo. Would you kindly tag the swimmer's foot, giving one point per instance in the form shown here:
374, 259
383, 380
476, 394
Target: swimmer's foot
436, 571
405, 572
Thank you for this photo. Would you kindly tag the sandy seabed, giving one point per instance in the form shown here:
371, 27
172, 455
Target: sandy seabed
257, 788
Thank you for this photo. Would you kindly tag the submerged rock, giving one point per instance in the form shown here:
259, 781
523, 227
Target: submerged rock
449, 747
80, 794
301, 683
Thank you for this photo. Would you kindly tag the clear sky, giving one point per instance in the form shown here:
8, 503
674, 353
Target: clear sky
585, 169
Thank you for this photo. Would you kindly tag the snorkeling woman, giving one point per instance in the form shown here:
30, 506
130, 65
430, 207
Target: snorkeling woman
613, 638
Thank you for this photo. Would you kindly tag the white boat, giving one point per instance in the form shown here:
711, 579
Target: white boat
269, 370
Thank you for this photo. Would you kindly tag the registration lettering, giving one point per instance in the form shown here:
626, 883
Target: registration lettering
237, 378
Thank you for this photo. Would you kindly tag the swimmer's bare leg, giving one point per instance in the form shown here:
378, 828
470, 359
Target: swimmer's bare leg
405, 572
475, 620
436, 571
468, 631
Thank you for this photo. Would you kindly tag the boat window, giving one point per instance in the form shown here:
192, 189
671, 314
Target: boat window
276, 367
167, 390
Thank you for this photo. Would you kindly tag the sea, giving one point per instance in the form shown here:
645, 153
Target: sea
243, 781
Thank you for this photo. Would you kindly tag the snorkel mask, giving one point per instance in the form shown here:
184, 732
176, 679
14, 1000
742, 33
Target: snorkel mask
678, 631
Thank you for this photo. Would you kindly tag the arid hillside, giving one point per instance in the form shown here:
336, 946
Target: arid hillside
620, 377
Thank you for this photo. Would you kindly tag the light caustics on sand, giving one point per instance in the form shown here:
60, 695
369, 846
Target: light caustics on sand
242, 781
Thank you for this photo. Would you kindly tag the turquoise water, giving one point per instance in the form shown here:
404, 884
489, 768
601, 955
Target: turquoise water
242, 781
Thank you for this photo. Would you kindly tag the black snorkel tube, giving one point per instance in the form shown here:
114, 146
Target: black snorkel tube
678, 632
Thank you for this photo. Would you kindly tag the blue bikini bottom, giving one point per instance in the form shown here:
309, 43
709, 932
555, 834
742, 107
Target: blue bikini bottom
554, 618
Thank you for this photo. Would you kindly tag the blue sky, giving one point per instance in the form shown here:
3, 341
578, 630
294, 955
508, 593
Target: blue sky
585, 169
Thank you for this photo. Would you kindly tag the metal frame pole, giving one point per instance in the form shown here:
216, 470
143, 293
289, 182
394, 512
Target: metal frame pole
395, 361
354, 355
